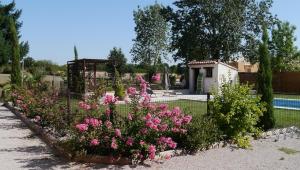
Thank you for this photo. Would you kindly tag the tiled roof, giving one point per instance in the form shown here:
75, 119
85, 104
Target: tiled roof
205, 62
194, 62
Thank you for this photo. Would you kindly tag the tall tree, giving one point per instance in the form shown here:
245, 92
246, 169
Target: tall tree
75, 53
15, 60
267, 121
216, 29
283, 48
6, 12
116, 60
150, 44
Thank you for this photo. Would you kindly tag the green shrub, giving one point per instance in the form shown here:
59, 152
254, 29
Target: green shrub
172, 80
201, 133
236, 112
118, 86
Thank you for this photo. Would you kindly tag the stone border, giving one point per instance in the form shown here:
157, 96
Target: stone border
60, 151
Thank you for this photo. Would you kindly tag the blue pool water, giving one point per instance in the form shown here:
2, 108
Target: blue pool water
292, 104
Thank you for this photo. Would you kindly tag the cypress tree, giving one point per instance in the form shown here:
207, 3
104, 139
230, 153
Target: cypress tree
15, 52
267, 121
75, 53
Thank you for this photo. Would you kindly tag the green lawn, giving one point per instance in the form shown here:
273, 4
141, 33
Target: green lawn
287, 96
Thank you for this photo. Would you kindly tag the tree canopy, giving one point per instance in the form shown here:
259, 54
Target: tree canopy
116, 61
150, 44
218, 29
6, 12
283, 49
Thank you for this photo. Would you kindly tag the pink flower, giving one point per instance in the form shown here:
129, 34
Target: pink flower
142, 142
82, 127
108, 124
176, 111
94, 142
187, 119
152, 106
114, 144
129, 141
156, 77
152, 150
131, 91
95, 122
87, 121
156, 120
152, 156
172, 144
109, 99
163, 127
163, 107
118, 132
148, 116
175, 130
129, 116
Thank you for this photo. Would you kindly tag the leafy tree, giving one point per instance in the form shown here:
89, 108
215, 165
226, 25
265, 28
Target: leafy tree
150, 44
28, 62
116, 60
223, 29
284, 51
6, 12
267, 121
15, 60
75, 53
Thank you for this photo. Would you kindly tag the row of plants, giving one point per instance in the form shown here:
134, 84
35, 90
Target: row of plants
148, 128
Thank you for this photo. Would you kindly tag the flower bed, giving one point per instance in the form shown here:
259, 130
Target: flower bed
94, 136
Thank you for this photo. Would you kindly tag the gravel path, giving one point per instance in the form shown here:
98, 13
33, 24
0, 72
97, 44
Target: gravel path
20, 149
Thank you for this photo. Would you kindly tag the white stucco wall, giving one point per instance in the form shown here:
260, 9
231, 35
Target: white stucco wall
226, 73
210, 82
219, 72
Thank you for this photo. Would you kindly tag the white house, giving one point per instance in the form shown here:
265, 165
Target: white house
210, 74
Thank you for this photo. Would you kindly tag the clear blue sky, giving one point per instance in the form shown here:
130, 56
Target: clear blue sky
53, 27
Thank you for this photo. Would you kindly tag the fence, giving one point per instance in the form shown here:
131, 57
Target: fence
286, 107
284, 82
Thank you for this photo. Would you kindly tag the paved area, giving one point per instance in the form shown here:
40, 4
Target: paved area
20, 149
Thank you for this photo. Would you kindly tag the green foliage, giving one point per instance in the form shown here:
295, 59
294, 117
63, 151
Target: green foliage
201, 133
205, 29
243, 141
199, 83
283, 50
15, 61
172, 80
235, 111
75, 53
7, 12
116, 60
267, 121
150, 44
118, 86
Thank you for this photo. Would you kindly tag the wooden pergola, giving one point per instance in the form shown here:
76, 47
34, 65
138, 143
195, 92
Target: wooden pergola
82, 75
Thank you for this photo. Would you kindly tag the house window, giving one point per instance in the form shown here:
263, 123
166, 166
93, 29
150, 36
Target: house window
209, 72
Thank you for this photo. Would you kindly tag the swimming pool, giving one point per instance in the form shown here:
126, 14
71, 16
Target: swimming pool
291, 104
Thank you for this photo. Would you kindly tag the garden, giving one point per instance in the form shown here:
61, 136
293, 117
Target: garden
140, 129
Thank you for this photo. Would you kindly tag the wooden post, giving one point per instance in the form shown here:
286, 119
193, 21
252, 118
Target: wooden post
208, 99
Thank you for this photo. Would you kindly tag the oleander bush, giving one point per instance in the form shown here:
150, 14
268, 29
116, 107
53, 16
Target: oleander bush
148, 129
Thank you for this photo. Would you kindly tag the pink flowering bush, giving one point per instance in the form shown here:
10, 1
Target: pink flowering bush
148, 128
156, 77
